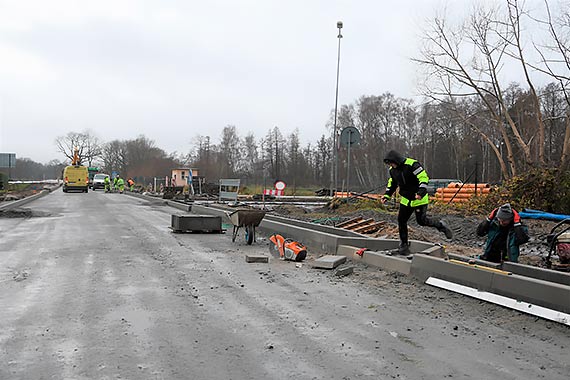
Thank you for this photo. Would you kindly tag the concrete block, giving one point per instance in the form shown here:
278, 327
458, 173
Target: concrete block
543, 293
203, 223
329, 262
344, 271
317, 241
400, 264
178, 205
424, 267
346, 250
538, 273
435, 251
256, 259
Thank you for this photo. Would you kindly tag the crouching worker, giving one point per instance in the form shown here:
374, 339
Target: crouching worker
505, 233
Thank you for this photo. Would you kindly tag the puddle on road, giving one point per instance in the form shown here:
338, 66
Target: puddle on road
24, 213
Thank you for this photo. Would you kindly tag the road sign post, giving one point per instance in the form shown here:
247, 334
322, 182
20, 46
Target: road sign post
348, 137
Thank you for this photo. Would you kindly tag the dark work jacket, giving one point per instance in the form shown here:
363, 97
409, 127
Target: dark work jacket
410, 177
517, 234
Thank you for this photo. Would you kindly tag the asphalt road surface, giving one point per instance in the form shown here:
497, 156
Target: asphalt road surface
96, 286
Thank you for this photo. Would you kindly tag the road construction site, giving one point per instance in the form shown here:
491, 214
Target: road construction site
99, 286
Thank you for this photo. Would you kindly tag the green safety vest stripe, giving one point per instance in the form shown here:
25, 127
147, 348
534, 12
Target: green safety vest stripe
422, 175
415, 202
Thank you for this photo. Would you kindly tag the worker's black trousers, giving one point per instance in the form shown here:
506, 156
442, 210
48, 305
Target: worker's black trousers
421, 217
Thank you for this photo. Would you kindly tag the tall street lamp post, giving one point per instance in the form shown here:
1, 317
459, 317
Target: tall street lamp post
334, 166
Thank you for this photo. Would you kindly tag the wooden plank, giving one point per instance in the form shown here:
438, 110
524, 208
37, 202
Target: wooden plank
370, 228
360, 224
348, 222
352, 225
366, 229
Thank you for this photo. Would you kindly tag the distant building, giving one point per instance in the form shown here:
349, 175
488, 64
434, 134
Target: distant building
179, 177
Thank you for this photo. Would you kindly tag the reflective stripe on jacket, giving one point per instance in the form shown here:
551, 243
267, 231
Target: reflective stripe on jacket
412, 179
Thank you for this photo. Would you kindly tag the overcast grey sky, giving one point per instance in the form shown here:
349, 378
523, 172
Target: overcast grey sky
171, 70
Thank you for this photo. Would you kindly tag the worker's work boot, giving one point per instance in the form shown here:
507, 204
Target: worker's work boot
443, 227
404, 249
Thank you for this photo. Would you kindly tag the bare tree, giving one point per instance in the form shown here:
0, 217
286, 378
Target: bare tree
513, 23
453, 76
115, 156
273, 146
229, 151
293, 157
556, 63
88, 146
251, 155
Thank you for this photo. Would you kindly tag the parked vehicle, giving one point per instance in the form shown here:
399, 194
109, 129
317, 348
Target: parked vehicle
75, 177
99, 181
92, 171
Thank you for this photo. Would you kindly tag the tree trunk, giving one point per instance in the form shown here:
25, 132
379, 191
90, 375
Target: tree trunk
565, 158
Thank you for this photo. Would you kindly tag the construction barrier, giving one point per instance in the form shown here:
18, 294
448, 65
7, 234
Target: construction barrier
277, 193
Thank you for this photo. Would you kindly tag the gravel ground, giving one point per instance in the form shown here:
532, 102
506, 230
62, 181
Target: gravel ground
96, 286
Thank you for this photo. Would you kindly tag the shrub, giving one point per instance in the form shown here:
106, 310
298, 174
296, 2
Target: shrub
541, 189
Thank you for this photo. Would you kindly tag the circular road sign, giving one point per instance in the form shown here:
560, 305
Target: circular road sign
280, 185
349, 136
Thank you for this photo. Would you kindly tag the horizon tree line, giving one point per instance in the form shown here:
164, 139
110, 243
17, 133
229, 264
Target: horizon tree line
472, 124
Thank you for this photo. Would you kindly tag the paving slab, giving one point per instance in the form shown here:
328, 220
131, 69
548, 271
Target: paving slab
329, 261
256, 259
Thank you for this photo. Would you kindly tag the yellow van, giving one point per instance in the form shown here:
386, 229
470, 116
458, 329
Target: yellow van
75, 178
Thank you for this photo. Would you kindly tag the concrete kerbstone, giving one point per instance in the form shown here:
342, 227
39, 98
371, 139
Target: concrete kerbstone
179, 206
538, 273
20, 202
543, 293
435, 251
424, 267
400, 264
378, 259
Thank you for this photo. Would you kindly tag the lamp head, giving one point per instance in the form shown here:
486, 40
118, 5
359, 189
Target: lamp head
339, 24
